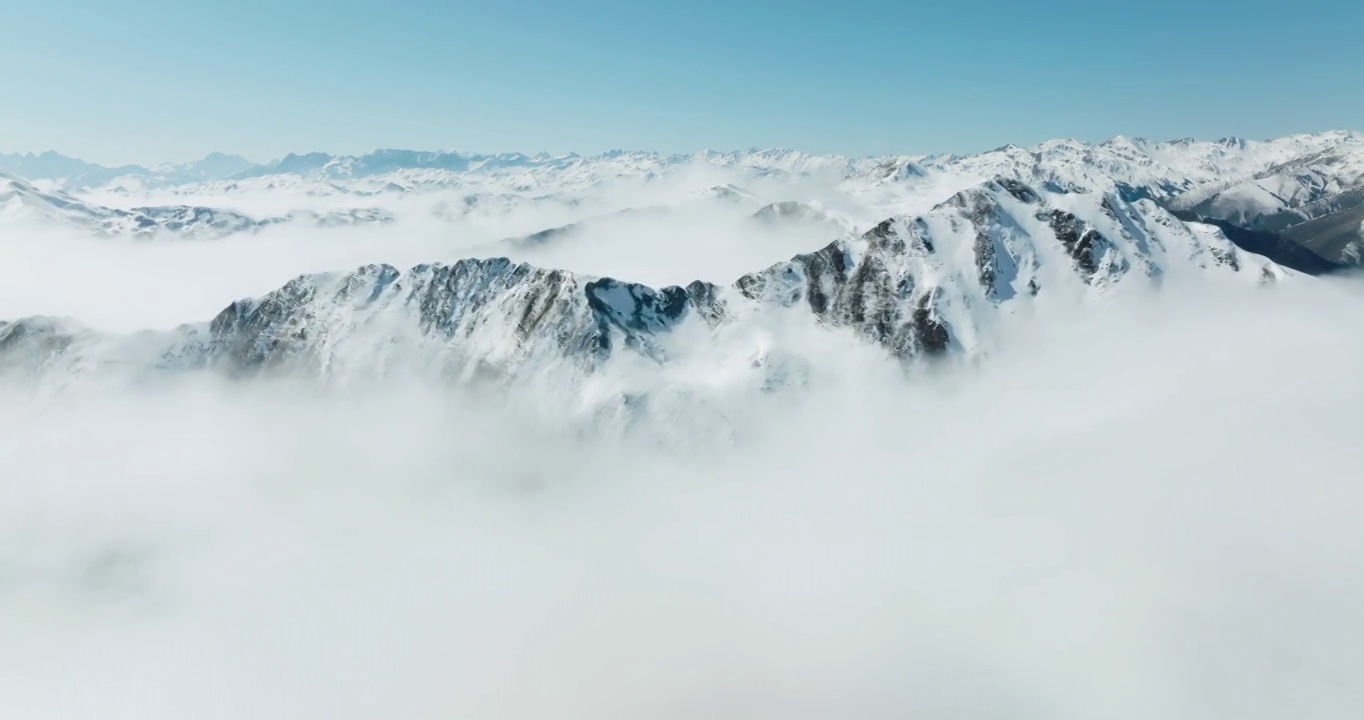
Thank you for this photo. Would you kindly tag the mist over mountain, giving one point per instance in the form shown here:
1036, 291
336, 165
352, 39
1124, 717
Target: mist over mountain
655, 266
1061, 431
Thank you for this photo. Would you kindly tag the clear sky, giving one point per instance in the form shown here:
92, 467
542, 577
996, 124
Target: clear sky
168, 80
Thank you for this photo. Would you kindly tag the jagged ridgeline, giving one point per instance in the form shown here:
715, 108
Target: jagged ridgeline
915, 286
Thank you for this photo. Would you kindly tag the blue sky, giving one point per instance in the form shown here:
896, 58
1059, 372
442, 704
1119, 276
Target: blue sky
155, 80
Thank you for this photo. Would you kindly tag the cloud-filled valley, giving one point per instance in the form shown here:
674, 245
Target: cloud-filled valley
1148, 511
1019, 434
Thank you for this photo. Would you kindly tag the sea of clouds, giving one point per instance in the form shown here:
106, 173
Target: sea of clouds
1143, 509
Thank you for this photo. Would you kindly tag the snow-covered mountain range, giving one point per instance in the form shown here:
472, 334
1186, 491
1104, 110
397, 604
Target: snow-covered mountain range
1267, 186
913, 256
914, 286
21, 200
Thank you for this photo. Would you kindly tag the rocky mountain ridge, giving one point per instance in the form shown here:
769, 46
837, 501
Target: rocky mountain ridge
916, 287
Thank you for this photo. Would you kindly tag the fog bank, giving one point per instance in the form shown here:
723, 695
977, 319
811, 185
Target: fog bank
1144, 510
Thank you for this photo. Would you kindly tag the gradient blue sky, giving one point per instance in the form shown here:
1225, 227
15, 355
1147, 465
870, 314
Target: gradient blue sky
161, 80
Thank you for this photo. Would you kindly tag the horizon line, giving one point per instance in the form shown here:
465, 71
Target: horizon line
618, 150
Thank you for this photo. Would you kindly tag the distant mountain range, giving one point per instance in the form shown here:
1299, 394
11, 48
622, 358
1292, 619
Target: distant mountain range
1304, 193
20, 199
75, 173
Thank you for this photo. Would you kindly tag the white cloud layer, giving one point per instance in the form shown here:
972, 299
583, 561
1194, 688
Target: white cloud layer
1145, 510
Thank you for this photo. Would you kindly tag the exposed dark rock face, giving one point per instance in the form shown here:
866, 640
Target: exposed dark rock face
637, 308
1078, 240
637, 311
540, 301
451, 303
267, 330
706, 301
33, 336
932, 336
996, 267
1228, 258
1020, 191
866, 291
